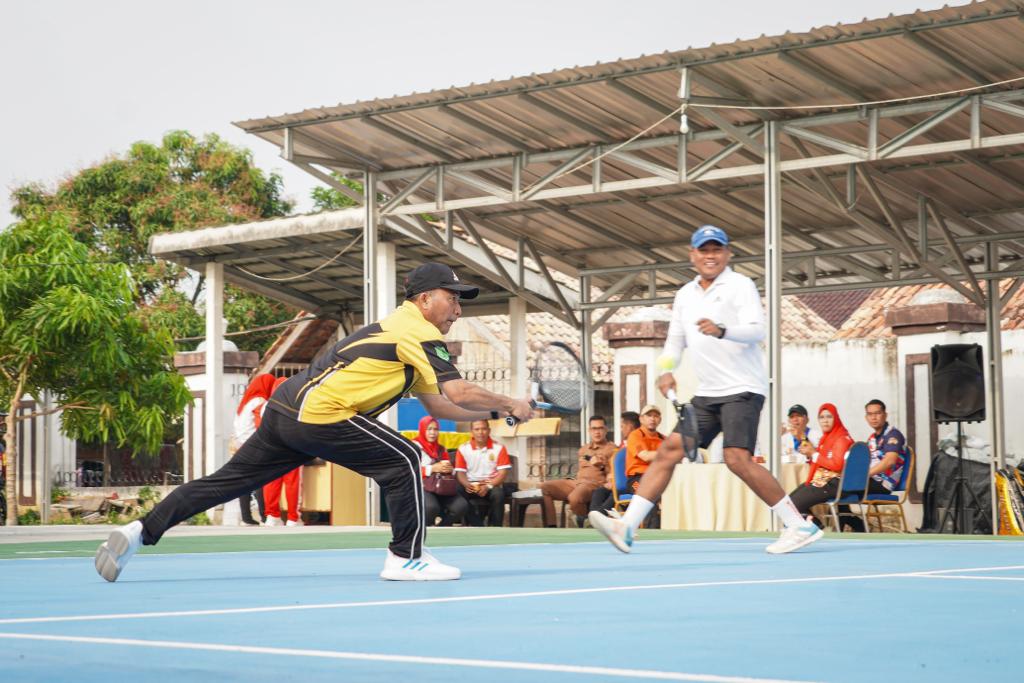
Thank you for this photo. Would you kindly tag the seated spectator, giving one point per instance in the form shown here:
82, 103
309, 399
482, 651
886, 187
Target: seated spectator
603, 499
641, 449
594, 461
823, 479
799, 441
481, 465
888, 449
440, 487
642, 445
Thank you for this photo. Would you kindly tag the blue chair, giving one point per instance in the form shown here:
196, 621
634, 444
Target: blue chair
874, 503
853, 482
620, 489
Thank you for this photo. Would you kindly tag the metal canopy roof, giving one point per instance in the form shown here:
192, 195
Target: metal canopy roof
881, 194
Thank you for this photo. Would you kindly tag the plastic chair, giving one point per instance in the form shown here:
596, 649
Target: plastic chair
621, 494
874, 503
853, 482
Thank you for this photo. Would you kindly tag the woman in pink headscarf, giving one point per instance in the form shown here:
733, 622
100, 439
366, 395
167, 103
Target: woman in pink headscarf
247, 419
441, 491
823, 479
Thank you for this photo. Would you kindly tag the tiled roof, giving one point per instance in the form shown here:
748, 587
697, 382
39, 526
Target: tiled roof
800, 323
868, 321
835, 307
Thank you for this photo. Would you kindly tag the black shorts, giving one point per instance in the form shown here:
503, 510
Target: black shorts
736, 416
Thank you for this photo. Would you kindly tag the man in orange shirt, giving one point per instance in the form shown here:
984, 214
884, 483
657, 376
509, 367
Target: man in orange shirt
642, 445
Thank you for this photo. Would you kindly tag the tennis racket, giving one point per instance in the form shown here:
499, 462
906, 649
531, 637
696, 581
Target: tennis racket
557, 381
687, 426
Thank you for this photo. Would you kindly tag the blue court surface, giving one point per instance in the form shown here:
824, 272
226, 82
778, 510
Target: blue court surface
712, 609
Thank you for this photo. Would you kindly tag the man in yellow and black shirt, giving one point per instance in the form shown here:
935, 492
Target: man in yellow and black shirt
328, 411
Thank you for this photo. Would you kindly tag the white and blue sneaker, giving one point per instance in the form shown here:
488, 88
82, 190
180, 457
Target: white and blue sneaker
426, 567
113, 555
795, 537
615, 530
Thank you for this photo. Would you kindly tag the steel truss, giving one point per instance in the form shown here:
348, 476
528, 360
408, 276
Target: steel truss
502, 180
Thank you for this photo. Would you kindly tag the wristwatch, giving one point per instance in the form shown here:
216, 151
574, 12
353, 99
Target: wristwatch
494, 415
722, 328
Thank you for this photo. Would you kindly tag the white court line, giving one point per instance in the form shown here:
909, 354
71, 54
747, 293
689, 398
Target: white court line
488, 596
404, 659
975, 578
756, 540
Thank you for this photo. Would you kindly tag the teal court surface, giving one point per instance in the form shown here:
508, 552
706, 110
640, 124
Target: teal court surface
533, 605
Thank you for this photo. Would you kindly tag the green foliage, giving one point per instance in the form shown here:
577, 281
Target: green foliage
329, 199
147, 495
183, 183
198, 519
58, 493
70, 326
29, 518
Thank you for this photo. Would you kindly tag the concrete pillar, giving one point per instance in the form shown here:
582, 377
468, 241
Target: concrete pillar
519, 383
215, 441
636, 345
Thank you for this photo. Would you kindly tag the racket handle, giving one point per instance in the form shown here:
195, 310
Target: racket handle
671, 395
512, 420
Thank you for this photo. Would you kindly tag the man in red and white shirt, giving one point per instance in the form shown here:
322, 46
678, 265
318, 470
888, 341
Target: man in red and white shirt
481, 466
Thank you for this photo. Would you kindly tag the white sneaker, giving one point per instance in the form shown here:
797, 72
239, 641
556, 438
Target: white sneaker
113, 555
297, 522
795, 537
615, 530
426, 567
273, 521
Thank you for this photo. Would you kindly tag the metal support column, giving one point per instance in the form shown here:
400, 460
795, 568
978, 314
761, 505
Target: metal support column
213, 405
994, 351
519, 380
46, 485
370, 298
587, 356
370, 248
773, 291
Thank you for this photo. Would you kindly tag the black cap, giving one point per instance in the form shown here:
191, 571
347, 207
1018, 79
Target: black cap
435, 275
798, 409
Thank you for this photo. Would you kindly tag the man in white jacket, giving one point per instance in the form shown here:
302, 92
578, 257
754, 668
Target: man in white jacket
719, 316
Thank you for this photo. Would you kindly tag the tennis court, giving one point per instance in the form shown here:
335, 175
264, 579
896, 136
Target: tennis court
534, 605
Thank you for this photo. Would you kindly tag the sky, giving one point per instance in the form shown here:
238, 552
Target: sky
82, 80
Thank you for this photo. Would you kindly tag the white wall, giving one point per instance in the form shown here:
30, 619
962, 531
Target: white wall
847, 373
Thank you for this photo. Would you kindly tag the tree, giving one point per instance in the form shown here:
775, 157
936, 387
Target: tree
183, 183
70, 326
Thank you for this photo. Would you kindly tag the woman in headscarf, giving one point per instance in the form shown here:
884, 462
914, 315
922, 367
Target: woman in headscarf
823, 478
291, 482
247, 419
441, 490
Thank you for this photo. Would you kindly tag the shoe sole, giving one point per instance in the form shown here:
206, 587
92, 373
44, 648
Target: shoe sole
109, 553
619, 543
408, 576
806, 542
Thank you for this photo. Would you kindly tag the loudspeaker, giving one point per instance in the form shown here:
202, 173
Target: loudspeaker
958, 383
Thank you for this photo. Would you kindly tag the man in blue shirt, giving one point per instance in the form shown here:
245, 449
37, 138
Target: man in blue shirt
888, 449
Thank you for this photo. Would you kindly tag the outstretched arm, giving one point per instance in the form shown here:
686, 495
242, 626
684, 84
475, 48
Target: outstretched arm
462, 400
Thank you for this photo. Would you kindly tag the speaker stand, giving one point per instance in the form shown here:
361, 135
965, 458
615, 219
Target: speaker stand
961, 490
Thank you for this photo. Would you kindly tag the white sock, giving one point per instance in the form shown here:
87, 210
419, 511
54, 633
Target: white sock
637, 511
788, 513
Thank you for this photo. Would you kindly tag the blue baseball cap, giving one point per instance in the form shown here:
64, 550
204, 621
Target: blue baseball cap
708, 233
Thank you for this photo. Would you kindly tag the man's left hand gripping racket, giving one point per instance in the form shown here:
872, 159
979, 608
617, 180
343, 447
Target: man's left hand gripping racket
557, 381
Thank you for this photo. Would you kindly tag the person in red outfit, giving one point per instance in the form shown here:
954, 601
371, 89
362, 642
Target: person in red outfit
823, 479
247, 420
272, 491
